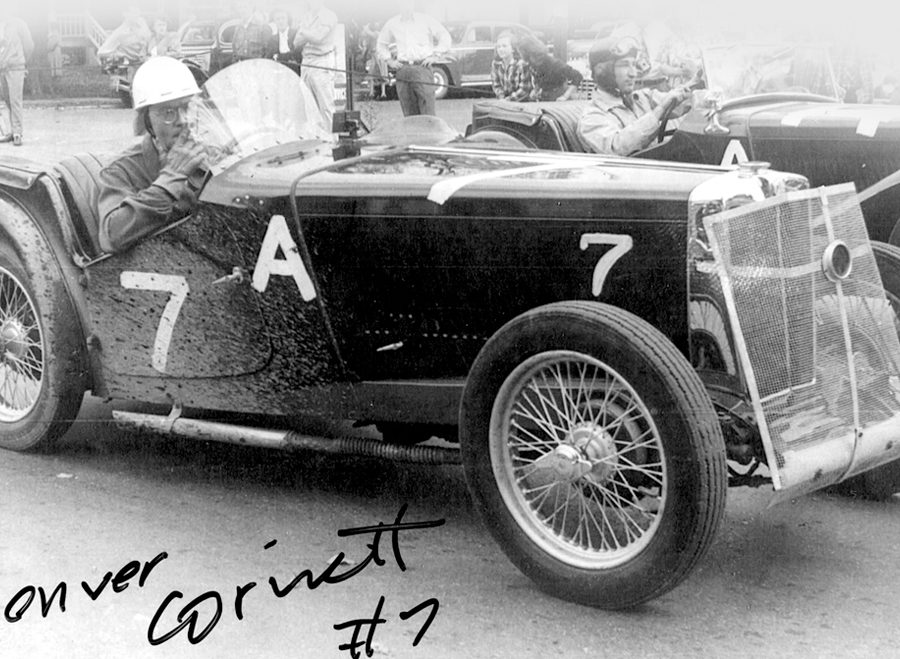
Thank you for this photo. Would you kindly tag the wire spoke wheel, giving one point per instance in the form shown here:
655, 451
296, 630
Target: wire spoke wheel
593, 452
21, 350
578, 459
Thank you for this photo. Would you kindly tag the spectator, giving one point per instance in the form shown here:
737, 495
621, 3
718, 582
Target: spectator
316, 37
376, 67
163, 42
418, 40
129, 40
16, 46
54, 51
554, 80
250, 35
150, 184
280, 46
511, 77
620, 119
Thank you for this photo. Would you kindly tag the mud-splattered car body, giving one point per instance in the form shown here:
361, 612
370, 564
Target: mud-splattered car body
573, 322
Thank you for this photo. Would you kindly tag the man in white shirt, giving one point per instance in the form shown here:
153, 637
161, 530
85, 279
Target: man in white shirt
621, 119
316, 37
410, 42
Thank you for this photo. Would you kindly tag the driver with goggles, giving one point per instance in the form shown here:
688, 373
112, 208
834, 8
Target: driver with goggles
622, 119
149, 185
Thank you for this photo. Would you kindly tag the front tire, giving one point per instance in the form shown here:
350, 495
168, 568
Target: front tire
41, 357
594, 454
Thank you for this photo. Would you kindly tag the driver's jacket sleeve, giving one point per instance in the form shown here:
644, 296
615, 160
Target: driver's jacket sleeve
608, 126
137, 198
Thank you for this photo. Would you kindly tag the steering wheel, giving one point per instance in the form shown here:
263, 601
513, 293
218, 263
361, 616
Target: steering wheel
663, 120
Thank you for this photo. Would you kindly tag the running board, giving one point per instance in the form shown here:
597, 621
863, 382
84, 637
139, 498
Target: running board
287, 440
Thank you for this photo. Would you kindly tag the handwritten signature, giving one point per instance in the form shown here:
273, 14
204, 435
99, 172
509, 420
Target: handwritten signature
188, 617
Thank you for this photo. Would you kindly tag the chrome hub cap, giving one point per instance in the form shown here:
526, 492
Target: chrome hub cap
13, 339
599, 449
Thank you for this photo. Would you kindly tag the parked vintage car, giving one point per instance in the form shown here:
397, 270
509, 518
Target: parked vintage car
208, 44
120, 70
471, 54
778, 104
202, 52
599, 335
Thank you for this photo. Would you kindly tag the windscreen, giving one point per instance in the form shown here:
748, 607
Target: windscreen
745, 69
250, 106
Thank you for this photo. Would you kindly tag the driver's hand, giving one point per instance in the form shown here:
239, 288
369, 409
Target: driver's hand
676, 97
185, 157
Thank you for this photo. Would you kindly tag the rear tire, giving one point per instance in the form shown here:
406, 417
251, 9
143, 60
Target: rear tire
594, 453
41, 356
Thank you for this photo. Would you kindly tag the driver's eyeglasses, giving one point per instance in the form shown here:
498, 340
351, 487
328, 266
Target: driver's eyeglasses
170, 115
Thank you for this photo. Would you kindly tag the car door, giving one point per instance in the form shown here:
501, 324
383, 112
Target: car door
415, 287
173, 306
475, 53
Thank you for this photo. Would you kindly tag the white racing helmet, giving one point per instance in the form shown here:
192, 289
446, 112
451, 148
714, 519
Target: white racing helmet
162, 79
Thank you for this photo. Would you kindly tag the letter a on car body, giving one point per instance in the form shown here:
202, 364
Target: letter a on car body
267, 263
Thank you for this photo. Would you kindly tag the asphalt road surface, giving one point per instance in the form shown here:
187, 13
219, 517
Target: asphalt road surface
814, 577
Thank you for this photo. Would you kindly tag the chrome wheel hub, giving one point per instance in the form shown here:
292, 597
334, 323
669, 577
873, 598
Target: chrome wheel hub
598, 448
12, 340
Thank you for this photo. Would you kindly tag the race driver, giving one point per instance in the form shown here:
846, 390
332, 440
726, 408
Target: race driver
622, 119
149, 185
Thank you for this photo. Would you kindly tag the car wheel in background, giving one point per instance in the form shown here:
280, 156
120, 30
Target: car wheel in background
894, 238
594, 453
441, 82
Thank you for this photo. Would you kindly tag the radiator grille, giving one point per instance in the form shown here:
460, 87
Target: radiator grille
821, 353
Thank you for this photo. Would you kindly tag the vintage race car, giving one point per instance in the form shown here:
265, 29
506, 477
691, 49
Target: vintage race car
611, 342
770, 103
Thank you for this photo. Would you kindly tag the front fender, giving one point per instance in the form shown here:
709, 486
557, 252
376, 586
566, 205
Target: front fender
35, 224
451, 65
880, 203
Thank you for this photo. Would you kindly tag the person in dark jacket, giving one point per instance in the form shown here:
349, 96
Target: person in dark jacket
280, 45
250, 35
152, 184
554, 80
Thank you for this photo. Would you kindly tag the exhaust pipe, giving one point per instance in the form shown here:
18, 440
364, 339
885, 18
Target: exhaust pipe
286, 440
